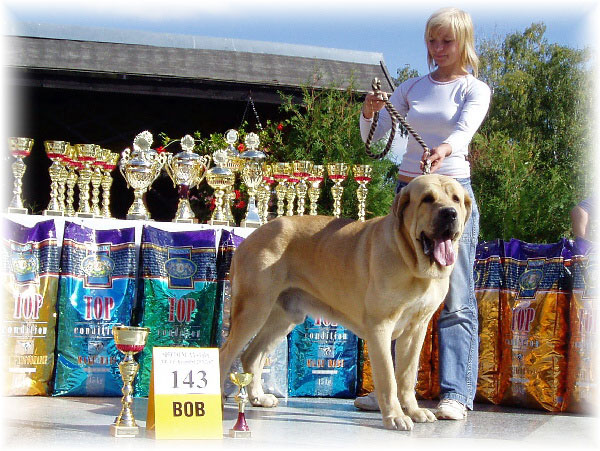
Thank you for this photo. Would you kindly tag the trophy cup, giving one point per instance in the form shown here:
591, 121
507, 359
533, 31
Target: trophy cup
281, 172
338, 173
97, 165
19, 148
129, 340
70, 161
241, 429
362, 174
302, 171
58, 176
315, 178
290, 195
264, 192
220, 179
186, 170
252, 177
140, 168
235, 164
110, 164
86, 155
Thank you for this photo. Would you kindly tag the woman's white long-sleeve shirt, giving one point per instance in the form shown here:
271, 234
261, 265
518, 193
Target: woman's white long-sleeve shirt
440, 112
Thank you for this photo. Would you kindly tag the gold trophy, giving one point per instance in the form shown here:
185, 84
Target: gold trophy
264, 192
110, 164
315, 178
220, 179
241, 429
302, 171
235, 164
186, 170
70, 161
19, 148
338, 173
86, 155
97, 165
129, 340
58, 176
290, 195
281, 172
362, 174
140, 168
252, 177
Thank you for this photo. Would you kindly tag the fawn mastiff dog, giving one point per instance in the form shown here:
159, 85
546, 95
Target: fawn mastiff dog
383, 279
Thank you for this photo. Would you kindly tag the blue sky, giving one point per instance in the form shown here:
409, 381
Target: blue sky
394, 28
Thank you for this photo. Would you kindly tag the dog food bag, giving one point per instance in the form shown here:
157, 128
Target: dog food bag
274, 374
96, 292
582, 388
534, 316
178, 285
488, 276
322, 360
365, 383
30, 266
428, 378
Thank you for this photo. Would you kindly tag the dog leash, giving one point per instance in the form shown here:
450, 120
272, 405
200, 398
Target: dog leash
396, 117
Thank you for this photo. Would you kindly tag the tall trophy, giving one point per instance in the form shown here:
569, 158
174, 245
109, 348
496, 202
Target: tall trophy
338, 173
110, 164
252, 177
187, 170
315, 179
19, 148
362, 174
302, 171
290, 195
97, 165
58, 176
281, 172
140, 168
241, 429
235, 164
264, 192
72, 165
129, 340
219, 178
86, 155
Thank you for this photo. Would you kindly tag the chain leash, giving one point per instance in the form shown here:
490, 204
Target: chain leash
396, 117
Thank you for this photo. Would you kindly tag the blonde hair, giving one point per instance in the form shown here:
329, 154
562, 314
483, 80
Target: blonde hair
461, 25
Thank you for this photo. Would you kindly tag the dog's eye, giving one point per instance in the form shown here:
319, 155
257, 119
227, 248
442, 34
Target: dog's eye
428, 199
455, 199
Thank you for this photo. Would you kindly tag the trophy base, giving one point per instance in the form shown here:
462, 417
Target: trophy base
124, 431
138, 217
217, 222
85, 215
20, 211
186, 220
250, 224
239, 434
53, 213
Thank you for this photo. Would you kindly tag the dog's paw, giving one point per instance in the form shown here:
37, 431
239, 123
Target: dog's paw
265, 400
400, 423
420, 415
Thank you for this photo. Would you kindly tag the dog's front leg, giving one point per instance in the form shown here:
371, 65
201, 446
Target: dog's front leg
378, 342
407, 352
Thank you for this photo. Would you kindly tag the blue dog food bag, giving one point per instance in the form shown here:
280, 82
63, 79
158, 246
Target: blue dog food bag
96, 292
323, 360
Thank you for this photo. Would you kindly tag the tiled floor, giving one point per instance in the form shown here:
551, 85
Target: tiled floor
298, 423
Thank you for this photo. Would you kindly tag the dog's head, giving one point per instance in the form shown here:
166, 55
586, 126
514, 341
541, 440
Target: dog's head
432, 211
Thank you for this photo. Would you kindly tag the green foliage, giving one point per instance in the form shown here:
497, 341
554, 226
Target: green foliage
529, 157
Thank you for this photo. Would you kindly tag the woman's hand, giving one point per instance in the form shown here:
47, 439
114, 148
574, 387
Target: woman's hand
437, 156
373, 103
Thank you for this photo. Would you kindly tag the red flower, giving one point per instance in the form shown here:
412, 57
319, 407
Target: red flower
280, 126
212, 205
238, 194
160, 149
241, 147
240, 204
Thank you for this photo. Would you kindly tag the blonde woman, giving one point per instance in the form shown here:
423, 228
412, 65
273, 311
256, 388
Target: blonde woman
445, 107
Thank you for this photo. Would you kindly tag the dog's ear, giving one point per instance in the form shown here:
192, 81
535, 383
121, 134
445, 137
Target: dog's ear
468, 205
400, 202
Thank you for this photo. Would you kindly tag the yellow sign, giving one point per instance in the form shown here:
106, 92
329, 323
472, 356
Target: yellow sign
184, 401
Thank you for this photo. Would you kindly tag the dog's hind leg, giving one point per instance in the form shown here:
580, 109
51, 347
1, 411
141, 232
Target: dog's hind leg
274, 330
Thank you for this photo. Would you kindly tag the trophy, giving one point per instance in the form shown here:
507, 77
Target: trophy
70, 161
290, 195
362, 174
140, 168
264, 192
58, 177
235, 164
315, 178
302, 171
129, 340
338, 173
110, 164
241, 429
186, 170
281, 172
97, 165
19, 148
86, 155
220, 179
252, 177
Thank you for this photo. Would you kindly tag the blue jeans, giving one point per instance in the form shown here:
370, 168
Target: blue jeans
458, 322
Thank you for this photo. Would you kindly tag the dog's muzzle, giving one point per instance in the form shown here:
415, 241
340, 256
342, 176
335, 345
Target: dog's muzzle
439, 246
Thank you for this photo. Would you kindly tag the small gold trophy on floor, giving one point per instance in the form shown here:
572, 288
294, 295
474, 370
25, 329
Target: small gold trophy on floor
129, 340
241, 429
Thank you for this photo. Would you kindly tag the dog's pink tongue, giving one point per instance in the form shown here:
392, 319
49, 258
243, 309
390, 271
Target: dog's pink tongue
443, 252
